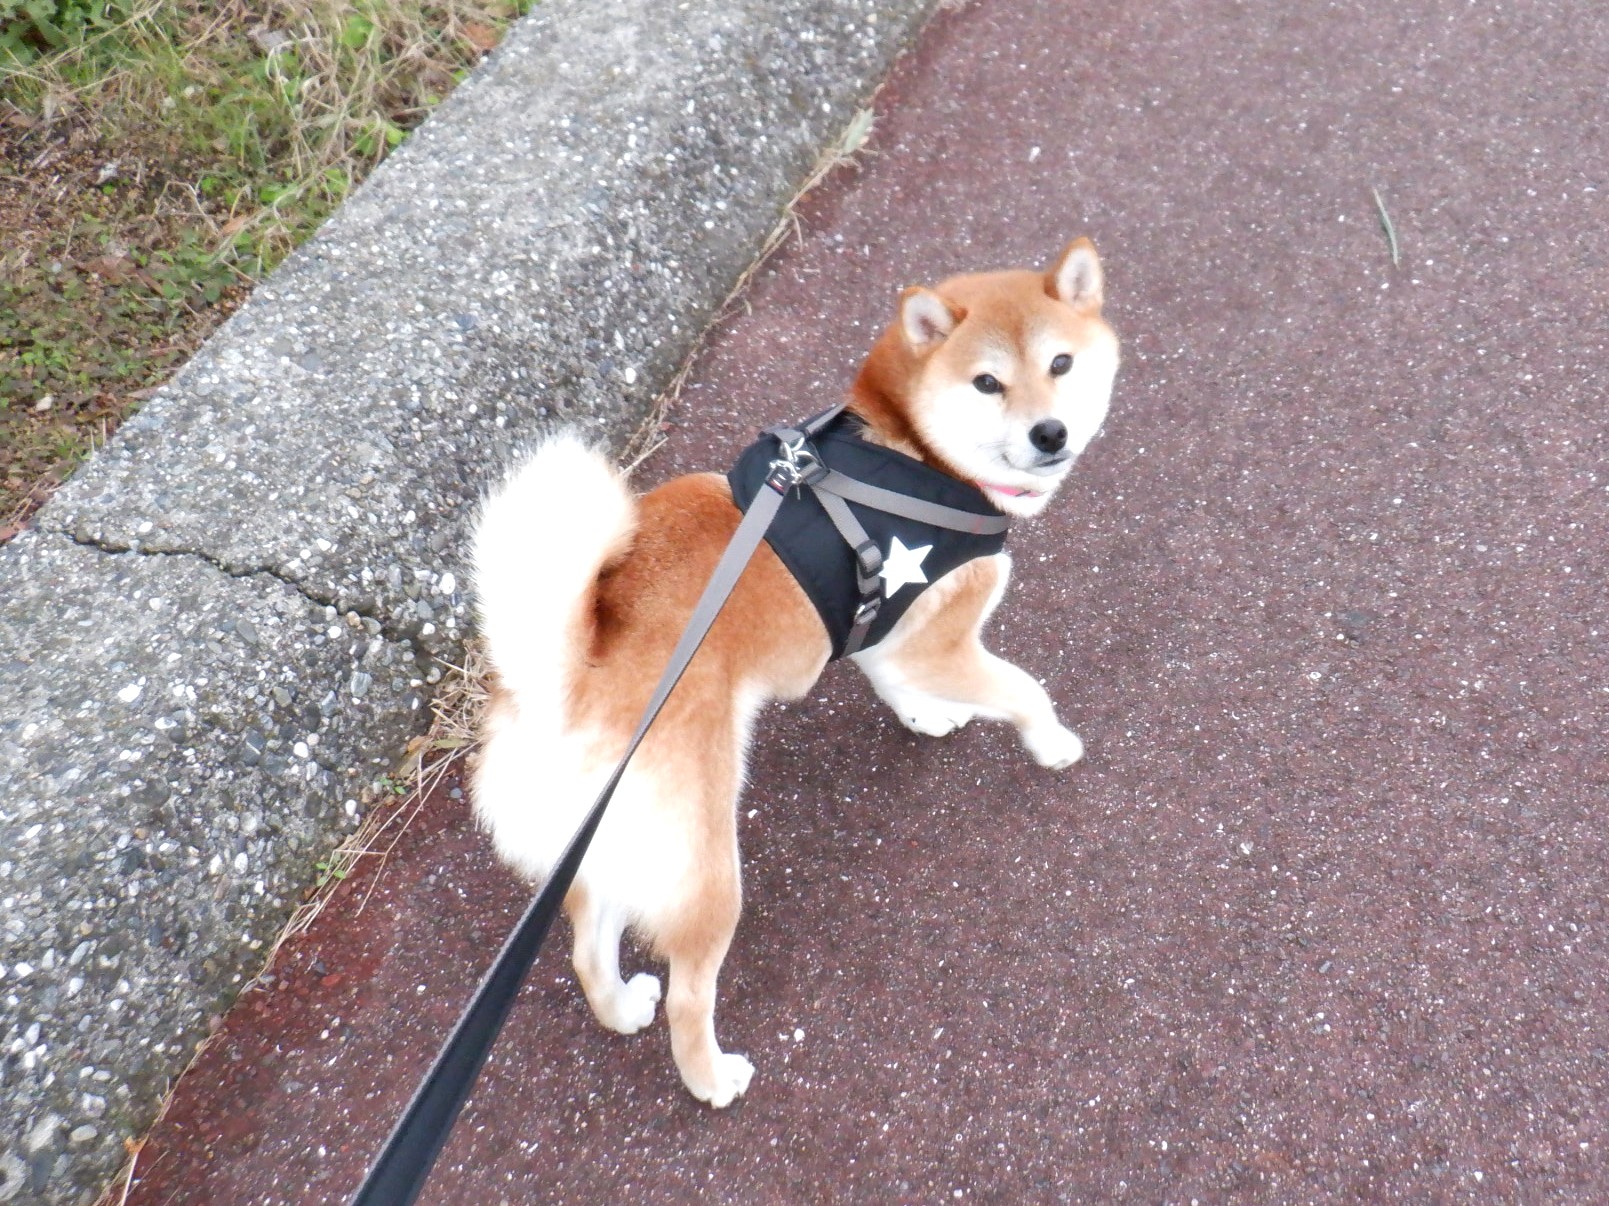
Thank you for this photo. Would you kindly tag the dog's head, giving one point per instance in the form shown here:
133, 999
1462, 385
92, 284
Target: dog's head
1008, 374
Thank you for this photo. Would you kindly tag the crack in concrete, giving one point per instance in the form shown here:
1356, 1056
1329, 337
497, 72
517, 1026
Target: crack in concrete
239, 572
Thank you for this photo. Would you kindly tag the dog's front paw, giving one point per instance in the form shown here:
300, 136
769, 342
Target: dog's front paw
1054, 746
731, 1081
933, 717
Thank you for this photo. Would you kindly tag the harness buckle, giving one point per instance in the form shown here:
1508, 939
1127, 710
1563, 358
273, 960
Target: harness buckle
796, 465
867, 611
870, 558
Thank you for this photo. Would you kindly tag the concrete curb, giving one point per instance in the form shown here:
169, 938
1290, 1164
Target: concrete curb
222, 629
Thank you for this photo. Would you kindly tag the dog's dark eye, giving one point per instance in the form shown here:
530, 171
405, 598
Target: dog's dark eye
1060, 365
984, 383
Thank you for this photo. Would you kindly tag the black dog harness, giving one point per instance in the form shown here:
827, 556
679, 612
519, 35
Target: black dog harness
868, 528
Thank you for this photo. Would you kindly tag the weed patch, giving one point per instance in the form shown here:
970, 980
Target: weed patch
159, 156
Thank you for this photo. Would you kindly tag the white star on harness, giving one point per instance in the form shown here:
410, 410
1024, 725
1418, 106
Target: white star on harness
902, 567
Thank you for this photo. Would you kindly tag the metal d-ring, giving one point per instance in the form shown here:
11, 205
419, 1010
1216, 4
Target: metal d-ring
796, 464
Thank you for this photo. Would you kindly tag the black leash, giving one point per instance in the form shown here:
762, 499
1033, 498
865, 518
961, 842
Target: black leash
400, 1170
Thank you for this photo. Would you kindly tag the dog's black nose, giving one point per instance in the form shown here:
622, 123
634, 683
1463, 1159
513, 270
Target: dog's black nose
1049, 435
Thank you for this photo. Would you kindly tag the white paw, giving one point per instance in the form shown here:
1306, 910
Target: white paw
1054, 746
634, 1004
732, 1076
933, 717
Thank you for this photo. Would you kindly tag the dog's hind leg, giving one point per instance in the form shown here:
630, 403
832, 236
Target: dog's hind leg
622, 1006
693, 934
695, 954
935, 673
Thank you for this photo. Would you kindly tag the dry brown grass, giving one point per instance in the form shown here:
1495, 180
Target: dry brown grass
160, 162
299, 98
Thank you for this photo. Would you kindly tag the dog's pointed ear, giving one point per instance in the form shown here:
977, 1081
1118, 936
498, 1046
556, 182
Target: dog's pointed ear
926, 318
1075, 277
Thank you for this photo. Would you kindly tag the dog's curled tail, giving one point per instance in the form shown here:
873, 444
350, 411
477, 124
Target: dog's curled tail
540, 540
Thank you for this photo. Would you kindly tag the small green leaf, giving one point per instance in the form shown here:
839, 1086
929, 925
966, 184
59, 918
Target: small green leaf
356, 32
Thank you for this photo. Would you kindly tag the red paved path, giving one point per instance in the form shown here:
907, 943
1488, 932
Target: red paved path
1322, 916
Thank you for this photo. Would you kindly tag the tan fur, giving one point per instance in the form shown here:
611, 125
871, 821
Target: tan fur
769, 644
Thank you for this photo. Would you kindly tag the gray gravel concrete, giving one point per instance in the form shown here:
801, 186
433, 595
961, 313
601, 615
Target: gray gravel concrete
178, 750
223, 626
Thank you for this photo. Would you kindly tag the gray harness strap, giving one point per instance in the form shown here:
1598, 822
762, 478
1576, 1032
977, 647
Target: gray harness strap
868, 563
907, 507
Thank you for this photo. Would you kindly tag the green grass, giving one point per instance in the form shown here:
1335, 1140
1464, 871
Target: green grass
157, 157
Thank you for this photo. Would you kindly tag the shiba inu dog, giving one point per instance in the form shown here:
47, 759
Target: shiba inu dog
996, 379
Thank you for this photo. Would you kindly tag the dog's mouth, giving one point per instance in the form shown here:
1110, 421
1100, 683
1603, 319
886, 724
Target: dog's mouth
1011, 491
1051, 466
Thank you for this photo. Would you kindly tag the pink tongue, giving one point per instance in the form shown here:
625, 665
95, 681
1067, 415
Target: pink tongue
1010, 491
